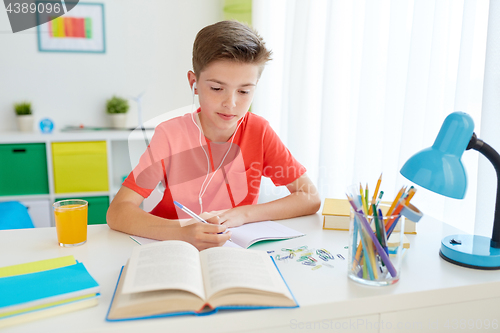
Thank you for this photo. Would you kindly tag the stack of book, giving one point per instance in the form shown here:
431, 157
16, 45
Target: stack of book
45, 288
336, 216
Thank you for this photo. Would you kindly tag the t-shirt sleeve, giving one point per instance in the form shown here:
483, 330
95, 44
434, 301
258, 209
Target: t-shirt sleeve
279, 164
150, 169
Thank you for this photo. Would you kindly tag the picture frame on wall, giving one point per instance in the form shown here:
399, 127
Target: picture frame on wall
81, 29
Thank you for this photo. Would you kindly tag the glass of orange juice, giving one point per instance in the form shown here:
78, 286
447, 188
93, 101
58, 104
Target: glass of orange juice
71, 222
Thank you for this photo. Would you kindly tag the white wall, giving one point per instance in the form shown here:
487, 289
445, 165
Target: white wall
148, 47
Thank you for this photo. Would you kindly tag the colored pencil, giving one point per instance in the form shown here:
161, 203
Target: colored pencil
396, 200
364, 246
395, 215
366, 226
365, 269
354, 233
370, 255
366, 200
411, 193
403, 202
375, 193
359, 251
392, 226
362, 197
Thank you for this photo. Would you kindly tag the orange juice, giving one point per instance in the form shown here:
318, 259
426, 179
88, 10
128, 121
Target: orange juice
71, 222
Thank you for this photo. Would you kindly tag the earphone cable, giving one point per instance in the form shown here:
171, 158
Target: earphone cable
204, 187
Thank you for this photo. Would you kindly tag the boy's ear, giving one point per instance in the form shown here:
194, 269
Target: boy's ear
191, 78
192, 83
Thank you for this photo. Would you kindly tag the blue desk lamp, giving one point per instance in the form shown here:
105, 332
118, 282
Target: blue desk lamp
440, 169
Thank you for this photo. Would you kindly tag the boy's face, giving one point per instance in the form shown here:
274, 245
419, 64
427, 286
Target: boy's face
225, 90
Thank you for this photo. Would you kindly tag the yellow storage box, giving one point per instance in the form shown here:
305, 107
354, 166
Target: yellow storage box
80, 166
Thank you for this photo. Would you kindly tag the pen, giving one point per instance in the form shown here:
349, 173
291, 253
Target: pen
384, 234
377, 224
379, 198
190, 213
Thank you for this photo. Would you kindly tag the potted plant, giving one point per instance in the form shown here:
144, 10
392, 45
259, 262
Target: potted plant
117, 109
24, 116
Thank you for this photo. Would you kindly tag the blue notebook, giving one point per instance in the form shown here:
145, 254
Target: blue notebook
172, 278
35, 289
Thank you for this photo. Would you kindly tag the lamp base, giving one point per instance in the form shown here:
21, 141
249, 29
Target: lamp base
470, 251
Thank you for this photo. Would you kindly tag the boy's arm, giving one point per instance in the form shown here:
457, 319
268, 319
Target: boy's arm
302, 200
125, 215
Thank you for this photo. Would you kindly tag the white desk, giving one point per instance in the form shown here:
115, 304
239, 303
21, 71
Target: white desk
432, 294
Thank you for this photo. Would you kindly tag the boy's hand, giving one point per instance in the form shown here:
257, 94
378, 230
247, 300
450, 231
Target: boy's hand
213, 216
231, 218
210, 217
204, 236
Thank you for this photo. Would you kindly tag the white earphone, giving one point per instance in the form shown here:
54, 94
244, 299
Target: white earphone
203, 186
194, 87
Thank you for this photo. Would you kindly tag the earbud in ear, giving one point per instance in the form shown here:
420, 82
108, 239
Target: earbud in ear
194, 87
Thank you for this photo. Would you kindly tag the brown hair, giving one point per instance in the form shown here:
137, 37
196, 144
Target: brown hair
228, 40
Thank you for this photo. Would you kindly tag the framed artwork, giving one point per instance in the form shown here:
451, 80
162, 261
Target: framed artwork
79, 30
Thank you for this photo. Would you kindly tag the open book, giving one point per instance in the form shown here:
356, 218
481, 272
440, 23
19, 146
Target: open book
172, 278
248, 234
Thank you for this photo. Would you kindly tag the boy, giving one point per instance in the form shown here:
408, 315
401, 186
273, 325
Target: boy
212, 160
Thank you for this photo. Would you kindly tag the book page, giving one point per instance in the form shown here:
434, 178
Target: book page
144, 241
225, 268
251, 233
164, 265
230, 243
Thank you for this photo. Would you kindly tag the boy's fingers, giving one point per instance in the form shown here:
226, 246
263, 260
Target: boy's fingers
224, 238
217, 239
214, 220
221, 228
214, 228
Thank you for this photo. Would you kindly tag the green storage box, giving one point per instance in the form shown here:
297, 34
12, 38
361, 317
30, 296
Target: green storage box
23, 169
80, 166
98, 207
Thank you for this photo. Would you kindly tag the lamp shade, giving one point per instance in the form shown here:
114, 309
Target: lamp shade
439, 168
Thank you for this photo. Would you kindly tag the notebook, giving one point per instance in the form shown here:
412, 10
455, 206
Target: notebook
248, 234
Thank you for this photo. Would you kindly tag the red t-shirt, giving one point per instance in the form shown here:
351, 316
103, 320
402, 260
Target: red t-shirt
176, 157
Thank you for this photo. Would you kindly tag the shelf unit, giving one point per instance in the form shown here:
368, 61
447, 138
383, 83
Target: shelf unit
118, 166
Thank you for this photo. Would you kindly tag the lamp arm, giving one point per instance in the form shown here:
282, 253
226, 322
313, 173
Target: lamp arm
487, 151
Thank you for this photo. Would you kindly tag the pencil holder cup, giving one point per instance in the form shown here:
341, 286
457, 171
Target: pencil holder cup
375, 248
